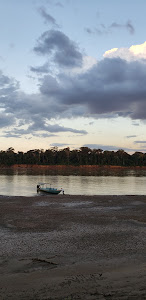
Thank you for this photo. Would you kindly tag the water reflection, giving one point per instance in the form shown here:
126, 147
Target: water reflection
101, 171
25, 184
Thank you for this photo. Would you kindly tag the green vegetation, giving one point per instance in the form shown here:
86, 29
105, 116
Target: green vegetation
82, 156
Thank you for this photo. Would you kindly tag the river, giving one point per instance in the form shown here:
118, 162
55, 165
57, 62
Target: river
25, 184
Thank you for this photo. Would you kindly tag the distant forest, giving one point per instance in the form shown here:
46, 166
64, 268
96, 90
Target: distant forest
82, 156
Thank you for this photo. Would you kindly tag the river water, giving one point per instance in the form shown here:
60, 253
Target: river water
13, 184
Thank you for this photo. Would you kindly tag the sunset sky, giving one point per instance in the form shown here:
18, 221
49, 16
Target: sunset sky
73, 74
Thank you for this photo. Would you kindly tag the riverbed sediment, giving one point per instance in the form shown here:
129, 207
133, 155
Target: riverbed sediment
73, 247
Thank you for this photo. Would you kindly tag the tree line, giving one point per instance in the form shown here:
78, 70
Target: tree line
76, 157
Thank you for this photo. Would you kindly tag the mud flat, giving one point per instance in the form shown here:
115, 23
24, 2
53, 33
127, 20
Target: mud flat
73, 247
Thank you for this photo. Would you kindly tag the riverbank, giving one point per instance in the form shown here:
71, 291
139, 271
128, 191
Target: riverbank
73, 247
88, 170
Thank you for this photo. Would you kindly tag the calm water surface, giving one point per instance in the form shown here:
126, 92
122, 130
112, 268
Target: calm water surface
25, 185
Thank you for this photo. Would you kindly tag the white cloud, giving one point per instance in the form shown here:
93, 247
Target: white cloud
133, 53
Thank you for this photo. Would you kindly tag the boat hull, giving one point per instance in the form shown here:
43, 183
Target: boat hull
50, 191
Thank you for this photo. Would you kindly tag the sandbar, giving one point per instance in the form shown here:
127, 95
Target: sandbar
71, 247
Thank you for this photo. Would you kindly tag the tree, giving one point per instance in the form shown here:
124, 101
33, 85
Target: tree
74, 157
85, 155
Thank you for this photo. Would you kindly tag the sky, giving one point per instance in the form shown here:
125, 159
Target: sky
73, 74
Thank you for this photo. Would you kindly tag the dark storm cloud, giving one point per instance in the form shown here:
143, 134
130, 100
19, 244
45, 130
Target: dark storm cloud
47, 17
49, 86
57, 46
113, 87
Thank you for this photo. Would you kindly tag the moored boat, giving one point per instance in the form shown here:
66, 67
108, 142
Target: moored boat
43, 187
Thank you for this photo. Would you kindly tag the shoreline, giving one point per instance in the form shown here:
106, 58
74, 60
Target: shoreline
71, 167
82, 170
70, 247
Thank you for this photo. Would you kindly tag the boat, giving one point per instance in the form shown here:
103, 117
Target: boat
46, 188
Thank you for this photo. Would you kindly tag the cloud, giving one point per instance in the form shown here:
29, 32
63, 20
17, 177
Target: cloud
135, 52
8, 88
100, 146
57, 46
106, 147
4, 80
89, 30
139, 50
47, 17
59, 145
40, 69
59, 4
17, 133
135, 123
130, 27
6, 120
140, 142
8, 91
40, 125
130, 136
112, 148
112, 86
109, 88
127, 26
49, 85
102, 29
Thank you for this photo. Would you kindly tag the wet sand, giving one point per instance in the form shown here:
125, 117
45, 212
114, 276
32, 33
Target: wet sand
73, 247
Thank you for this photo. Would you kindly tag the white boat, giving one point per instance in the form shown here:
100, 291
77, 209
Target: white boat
46, 188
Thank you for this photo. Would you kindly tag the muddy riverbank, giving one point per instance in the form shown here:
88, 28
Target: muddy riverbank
73, 247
